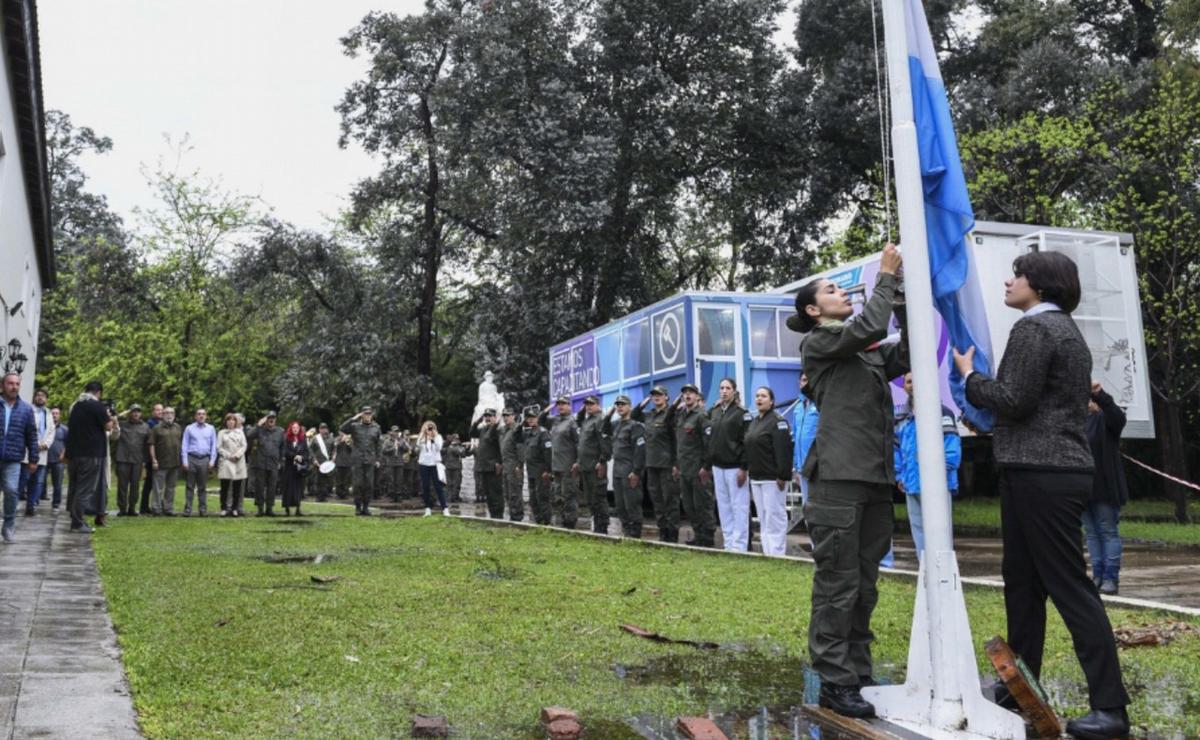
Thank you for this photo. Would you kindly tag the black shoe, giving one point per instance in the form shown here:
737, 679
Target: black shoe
864, 681
1109, 587
30, 511
1004, 699
846, 701
1097, 580
131, 513
1100, 724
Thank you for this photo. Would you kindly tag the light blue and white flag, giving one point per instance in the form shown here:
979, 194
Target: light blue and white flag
948, 214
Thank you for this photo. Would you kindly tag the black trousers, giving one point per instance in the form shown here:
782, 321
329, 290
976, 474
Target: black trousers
1043, 556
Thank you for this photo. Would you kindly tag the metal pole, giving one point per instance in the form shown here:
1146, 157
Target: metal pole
941, 693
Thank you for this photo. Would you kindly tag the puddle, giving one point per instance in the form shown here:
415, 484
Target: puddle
273, 531
280, 557
293, 522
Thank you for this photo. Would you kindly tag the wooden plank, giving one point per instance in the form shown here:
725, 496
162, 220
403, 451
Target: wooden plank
1024, 688
849, 727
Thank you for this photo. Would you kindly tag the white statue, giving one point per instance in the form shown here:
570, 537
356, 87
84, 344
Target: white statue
489, 397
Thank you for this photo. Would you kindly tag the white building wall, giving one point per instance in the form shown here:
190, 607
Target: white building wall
20, 280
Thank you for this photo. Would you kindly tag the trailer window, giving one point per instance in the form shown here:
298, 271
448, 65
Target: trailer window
789, 341
716, 331
764, 339
637, 349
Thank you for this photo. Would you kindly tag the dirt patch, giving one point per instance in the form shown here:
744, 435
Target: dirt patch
288, 558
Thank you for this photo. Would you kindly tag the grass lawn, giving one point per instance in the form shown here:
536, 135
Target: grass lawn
981, 516
487, 624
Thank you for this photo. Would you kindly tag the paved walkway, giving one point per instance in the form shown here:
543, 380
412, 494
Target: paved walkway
60, 669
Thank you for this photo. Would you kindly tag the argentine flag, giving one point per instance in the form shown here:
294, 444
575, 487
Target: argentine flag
948, 214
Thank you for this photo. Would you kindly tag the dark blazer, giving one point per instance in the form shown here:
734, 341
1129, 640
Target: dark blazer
848, 375
1039, 395
1103, 430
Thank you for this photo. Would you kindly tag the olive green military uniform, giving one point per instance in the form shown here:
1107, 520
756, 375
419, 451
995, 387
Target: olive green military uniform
411, 482
595, 449
452, 458
628, 458
691, 455
538, 454
849, 511
564, 454
344, 461
366, 440
659, 432
511, 455
130, 458
392, 450
487, 458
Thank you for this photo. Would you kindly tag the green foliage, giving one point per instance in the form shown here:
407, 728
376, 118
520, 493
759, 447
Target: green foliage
488, 624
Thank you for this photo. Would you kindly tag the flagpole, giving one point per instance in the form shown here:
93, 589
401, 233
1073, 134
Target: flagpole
941, 695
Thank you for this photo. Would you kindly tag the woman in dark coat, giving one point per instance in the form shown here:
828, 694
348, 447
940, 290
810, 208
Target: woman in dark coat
1105, 421
295, 467
849, 468
1040, 398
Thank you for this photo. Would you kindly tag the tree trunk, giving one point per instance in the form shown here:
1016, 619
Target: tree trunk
1173, 455
432, 256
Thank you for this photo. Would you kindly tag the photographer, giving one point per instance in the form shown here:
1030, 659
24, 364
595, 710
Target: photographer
90, 421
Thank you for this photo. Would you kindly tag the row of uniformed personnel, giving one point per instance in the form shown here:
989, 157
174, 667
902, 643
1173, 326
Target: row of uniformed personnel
674, 446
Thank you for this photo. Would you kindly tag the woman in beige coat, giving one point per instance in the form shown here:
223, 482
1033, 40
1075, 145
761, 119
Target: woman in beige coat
231, 466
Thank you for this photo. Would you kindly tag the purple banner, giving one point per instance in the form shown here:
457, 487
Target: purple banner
573, 369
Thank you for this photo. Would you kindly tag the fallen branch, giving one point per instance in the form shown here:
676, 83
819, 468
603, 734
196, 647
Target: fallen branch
648, 635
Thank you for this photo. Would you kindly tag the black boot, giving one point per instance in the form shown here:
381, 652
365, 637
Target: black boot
845, 700
1100, 724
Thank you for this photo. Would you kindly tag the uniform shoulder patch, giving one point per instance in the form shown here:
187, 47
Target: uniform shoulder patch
782, 424
708, 431
641, 441
747, 416
549, 444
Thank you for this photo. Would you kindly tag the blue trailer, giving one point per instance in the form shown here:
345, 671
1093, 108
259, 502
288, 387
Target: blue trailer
695, 337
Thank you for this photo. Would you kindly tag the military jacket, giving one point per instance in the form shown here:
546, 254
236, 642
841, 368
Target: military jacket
691, 440
343, 453
367, 440
768, 448
564, 439
511, 450
594, 443
314, 449
392, 449
453, 454
267, 452
848, 373
727, 435
131, 445
487, 453
659, 430
168, 441
628, 449
537, 450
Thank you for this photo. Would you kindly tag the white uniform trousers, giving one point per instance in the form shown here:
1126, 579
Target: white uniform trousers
772, 515
733, 504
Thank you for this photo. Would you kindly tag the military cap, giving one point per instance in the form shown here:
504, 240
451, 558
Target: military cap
509, 412
659, 390
623, 399
531, 412
591, 399
689, 387
366, 410
563, 399
322, 425
271, 414
489, 412
135, 407
394, 429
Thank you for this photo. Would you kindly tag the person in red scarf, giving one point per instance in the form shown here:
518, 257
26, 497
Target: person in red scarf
295, 467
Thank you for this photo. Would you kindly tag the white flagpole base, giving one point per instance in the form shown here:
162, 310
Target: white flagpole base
955, 706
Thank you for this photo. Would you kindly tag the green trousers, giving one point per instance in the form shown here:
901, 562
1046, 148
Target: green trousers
514, 493
564, 498
850, 524
664, 493
539, 499
698, 503
628, 501
595, 493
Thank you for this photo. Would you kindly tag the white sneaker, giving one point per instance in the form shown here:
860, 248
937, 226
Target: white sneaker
428, 512
445, 512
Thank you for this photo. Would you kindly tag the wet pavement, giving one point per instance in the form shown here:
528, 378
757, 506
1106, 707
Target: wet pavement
60, 668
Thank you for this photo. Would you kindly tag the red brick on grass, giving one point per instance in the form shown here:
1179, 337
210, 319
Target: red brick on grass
425, 725
699, 728
564, 729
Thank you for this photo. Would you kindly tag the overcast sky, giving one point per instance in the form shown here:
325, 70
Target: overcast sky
252, 82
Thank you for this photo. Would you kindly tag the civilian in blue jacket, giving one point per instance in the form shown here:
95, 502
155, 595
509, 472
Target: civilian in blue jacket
20, 442
908, 473
804, 421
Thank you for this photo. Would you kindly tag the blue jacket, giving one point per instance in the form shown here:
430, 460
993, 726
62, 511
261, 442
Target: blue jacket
908, 471
806, 417
21, 437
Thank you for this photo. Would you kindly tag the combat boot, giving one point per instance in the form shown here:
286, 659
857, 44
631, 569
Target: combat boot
845, 700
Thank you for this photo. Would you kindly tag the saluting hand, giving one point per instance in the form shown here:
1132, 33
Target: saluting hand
633, 480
